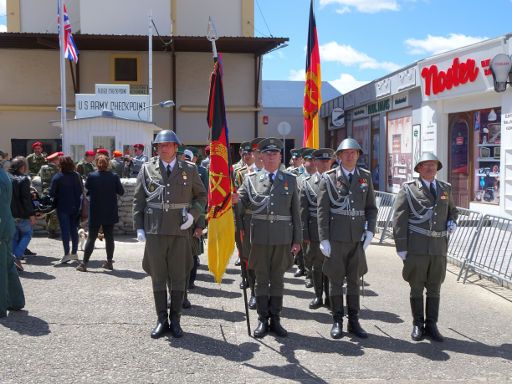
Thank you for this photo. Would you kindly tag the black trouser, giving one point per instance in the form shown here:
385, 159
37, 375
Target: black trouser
193, 272
108, 231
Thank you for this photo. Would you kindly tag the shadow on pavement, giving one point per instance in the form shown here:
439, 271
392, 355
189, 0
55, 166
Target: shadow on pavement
24, 324
215, 292
294, 280
386, 317
300, 294
40, 260
208, 278
213, 313
36, 275
319, 315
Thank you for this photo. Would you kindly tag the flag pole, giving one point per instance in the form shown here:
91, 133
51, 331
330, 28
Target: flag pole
63, 111
150, 65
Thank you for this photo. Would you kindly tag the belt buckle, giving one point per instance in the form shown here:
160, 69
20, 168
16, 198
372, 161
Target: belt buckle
352, 213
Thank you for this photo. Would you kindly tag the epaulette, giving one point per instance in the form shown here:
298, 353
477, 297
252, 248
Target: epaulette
330, 171
444, 183
251, 173
365, 171
240, 169
308, 177
290, 174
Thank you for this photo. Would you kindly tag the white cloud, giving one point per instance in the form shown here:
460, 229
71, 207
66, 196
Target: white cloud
346, 83
3, 28
438, 44
364, 6
3, 7
346, 55
297, 75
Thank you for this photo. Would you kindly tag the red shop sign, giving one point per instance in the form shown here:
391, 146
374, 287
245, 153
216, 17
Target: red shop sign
437, 81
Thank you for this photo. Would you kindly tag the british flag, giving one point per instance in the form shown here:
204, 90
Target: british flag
70, 50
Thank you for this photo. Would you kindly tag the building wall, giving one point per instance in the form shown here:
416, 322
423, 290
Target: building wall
41, 15
293, 116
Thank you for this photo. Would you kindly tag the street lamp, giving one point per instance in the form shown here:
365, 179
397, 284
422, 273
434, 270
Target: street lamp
162, 104
501, 64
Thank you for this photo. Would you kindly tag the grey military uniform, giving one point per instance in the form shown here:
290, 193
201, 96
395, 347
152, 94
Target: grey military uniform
137, 164
274, 227
344, 211
419, 227
158, 206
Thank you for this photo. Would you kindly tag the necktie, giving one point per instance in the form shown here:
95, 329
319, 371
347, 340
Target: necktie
271, 177
169, 170
350, 178
433, 190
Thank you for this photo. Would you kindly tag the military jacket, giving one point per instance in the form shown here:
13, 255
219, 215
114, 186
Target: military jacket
239, 164
296, 170
117, 167
159, 201
84, 168
300, 179
346, 209
137, 164
274, 208
309, 207
46, 173
35, 163
415, 207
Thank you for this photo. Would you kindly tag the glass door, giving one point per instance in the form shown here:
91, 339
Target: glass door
459, 170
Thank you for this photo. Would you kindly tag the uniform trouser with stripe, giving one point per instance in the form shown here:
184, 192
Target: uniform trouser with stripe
269, 263
345, 262
424, 272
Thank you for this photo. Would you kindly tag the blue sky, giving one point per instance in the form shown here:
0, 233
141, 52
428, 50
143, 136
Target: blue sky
361, 40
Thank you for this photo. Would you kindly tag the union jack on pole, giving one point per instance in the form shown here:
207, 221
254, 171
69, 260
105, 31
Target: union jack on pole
70, 50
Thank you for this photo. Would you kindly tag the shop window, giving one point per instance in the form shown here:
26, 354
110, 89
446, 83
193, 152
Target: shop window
375, 153
107, 142
125, 69
400, 150
361, 132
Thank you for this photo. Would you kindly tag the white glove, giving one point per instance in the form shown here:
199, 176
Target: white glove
187, 224
402, 255
451, 226
141, 236
367, 239
325, 248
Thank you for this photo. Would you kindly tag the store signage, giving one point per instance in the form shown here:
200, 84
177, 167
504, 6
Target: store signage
401, 100
379, 106
111, 97
359, 112
437, 81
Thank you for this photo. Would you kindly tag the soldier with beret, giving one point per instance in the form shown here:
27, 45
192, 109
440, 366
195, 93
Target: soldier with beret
271, 196
322, 159
36, 159
118, 165
46, 174
169, 197
347, 217
86, 166
424, 215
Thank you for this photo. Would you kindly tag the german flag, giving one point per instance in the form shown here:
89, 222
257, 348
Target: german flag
312, 89
221, 228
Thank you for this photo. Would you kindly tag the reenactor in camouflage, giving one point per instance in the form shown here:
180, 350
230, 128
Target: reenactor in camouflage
308, 211
46, 174
118, 165
169, 197
297, 166
424, 215
36, 159
86, 166
275, 233
347, 217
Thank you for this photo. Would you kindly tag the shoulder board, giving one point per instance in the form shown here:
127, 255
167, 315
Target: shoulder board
330, 171
410, 182
251, 173
240, 169
289, 174
365, 171
308, 177
190, 162
443, 183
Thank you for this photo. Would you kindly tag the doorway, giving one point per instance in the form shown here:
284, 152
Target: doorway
458, 158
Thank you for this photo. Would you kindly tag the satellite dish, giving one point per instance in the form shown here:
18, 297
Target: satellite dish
284, 128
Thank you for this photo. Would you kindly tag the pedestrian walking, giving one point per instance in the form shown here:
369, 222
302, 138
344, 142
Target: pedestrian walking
347, 217
169, 197
424, 215
102, 187
66, 190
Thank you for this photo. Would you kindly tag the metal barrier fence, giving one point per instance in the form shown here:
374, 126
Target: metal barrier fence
462, 241
385, 202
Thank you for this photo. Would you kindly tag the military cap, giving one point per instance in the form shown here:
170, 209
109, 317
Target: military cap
102, 151
89, 153
323, 154
307, 153
428, 156
255, 142
117, 154
270, 144
54, 155
296, 152
246, 147
138, 146
188, 154
37, 144
166, 136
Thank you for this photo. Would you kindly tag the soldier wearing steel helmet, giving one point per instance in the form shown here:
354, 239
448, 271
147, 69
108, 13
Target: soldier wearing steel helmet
347, 216
424, 215
169, 198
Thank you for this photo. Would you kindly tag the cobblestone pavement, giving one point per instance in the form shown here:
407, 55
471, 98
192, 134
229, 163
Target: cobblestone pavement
94, 328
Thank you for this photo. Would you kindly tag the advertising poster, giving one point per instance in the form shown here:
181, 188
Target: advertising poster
400, 150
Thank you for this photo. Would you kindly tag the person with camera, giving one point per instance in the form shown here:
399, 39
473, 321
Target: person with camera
21, 208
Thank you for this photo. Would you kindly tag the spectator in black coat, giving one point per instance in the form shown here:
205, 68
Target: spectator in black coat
21, 208
103, 187
66, 190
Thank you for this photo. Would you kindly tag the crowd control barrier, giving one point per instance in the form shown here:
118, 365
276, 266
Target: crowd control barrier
385, 202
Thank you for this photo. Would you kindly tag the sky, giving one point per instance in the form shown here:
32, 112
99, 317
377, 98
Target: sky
362, 40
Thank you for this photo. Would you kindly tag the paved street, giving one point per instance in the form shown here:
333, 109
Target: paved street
94, 328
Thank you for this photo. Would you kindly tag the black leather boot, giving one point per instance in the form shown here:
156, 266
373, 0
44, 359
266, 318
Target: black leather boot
263, 315
309, 278
337, 317
299, 272
186, 302
252, 300
276, 305
432, 311
353, 317
317, 284
162, 325
418, 319
325, 280
175, 315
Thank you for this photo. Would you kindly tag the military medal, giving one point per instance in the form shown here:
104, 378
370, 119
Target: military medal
286, 186
444, 196
362, 183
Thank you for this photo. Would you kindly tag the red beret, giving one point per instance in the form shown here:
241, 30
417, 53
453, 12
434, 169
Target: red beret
54, 155
37, 144
138, 146
89, 153
102, 151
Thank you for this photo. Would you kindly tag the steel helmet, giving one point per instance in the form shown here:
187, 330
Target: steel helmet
166, 136
428, 156
349, 143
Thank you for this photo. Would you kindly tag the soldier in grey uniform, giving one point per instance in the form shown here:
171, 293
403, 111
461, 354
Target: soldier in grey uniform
297, 166
308, 211
169, 197
424, 215
347, 216
139, 159
275, 232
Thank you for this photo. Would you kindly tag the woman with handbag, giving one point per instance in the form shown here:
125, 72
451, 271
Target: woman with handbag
102, 187
66, 190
